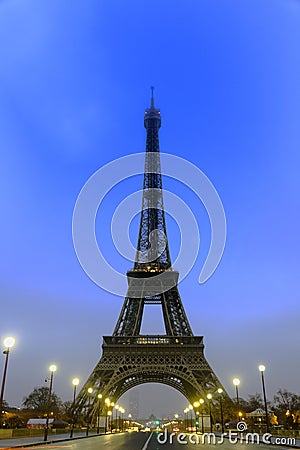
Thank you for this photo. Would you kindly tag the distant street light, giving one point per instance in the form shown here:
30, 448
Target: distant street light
122, 410
220, 391
186, 417
117, 407
196, 406
262, 368
120, 418
75, 383
209, 396
109, 413
107, 404
90, 391
201, 401
112, 413
236, 382
191, 418
52, 369
9, 342
99, 411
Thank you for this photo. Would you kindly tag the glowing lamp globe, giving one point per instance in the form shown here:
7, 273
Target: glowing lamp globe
9, 342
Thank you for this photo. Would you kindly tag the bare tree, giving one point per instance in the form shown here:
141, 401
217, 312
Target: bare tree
38, 398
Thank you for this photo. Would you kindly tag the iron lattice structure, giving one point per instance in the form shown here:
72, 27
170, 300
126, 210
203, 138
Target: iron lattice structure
129, 358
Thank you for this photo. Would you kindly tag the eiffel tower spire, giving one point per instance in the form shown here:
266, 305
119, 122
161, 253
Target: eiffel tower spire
153, 256
130, 358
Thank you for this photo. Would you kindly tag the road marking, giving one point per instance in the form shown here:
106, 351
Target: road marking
147, 442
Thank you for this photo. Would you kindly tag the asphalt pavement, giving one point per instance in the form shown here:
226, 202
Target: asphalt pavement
122, 441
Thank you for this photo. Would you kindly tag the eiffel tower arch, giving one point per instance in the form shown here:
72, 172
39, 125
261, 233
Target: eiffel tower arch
129, 358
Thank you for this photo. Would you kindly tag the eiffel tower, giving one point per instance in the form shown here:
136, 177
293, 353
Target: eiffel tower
130, 358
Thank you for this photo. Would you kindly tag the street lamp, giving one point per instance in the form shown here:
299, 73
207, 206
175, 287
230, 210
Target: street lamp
112, 414
107, 404
196, 406
52, 369
75, 383
236, 383
9, 342
122, 410
99, 411
209, 396
191, 409
117, 407
109, 413
120, 418
262, 368
201, 401
90, 391
186, 417
220, 391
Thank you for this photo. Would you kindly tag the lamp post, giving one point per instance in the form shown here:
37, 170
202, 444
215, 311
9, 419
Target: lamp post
75, 383
236, 383
109, 414
122, 412
52, 369
112, 415
99, 411
262, 368
209, 396
220, 391
90, 391
186, 418
120, 419
117, 417
196, 406
191, 418
107, 404
130, 417
201, 401
9, 342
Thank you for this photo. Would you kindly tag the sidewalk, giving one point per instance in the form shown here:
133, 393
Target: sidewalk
37, 440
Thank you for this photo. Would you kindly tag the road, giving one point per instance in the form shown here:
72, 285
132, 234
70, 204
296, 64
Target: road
124, 441
146, 441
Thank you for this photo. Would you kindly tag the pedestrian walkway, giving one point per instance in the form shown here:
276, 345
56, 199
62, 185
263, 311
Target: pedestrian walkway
37, 440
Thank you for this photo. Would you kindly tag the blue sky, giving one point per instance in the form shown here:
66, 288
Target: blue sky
74, 83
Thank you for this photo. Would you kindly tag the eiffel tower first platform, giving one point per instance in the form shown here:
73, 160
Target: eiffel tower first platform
130, 358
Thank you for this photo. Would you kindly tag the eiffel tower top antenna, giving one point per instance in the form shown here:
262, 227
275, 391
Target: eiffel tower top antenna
152, 97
